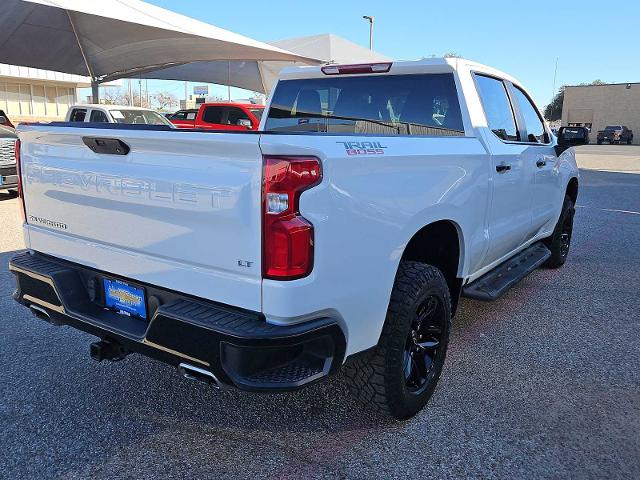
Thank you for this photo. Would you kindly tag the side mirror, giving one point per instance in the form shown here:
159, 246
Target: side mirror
244, 122
3, 120
571, 137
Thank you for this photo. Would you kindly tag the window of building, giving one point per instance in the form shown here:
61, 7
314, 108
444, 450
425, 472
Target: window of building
25, 99
497, 108
13, 99
66, 98
51, 101
533, 122
35, 100
38, 100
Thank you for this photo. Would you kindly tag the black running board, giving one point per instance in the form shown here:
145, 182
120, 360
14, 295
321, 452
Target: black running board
494, 284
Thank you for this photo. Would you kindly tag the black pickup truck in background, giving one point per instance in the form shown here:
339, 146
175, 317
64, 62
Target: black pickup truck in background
615, 134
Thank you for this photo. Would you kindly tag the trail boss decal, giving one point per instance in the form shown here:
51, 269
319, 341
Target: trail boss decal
363, 148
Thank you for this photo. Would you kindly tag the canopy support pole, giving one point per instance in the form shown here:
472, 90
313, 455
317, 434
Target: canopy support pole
95, 85
229, 80
95, 91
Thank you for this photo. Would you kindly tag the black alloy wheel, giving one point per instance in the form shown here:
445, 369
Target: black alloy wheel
423, 344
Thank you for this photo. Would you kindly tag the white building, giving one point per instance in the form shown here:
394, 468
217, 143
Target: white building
30, 94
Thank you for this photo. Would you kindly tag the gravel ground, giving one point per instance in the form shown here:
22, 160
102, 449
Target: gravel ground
543, 383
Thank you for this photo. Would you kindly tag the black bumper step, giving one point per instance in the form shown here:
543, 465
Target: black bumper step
495, 283
239, 347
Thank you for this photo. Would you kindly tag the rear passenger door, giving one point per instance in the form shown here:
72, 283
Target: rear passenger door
98, 116
212, 118
509, 216
540, 159
223, 118
237, 119
78, 115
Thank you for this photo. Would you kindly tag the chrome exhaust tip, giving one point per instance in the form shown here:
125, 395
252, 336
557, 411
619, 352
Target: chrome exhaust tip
42, 314
198, 374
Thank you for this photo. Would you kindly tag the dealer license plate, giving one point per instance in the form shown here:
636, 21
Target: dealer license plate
124, 298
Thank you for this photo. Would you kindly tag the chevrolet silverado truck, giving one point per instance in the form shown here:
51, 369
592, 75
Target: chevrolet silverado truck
615, 134
8, 174
341, 235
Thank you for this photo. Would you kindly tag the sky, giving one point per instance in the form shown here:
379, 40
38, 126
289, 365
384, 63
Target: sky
590, 39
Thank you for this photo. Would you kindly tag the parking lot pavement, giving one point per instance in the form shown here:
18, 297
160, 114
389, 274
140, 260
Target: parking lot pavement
612, 158
543, 383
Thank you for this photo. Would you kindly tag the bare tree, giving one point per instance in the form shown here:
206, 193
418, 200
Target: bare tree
164, 101
112, 96
119, 96
452, 55
137, 102
258, 98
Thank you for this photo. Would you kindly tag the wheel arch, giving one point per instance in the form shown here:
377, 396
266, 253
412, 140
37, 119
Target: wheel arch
572, 189
440, 244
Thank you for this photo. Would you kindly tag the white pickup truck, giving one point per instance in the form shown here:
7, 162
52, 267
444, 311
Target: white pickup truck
89, 113
342, 233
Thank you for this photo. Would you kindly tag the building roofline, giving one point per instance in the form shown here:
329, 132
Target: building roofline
603, 85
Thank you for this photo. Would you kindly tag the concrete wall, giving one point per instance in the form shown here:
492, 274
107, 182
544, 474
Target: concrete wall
603, 105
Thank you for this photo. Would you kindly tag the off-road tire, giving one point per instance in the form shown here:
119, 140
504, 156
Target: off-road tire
377, 377
559, 252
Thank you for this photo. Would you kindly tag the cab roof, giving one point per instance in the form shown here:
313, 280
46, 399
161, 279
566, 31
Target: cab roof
424, 65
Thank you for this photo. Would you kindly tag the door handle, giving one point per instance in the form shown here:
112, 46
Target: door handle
503, 168
541, 163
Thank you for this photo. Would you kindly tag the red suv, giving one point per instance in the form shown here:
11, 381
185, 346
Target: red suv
220, 116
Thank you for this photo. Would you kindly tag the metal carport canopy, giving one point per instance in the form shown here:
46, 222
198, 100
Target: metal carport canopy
261, 75
108, 39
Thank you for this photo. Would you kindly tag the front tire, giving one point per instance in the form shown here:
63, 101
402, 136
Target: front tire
400, 374
560, 241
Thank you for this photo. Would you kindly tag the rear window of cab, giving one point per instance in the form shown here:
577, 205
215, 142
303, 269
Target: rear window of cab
417, 104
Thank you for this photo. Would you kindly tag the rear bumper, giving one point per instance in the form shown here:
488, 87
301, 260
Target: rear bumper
237, 346
8, 177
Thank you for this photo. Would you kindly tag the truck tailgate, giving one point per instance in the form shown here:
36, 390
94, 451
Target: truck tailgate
181, 210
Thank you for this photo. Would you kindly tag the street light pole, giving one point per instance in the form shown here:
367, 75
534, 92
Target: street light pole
370, 19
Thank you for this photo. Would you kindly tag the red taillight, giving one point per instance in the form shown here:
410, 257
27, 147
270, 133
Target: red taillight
287, 237
23, 209
359, 68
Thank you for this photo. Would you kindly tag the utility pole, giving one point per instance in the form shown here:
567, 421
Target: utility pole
555, 75
370, 19
140, 85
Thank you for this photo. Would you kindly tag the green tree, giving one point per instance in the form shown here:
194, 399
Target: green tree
553, 111
595, 82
